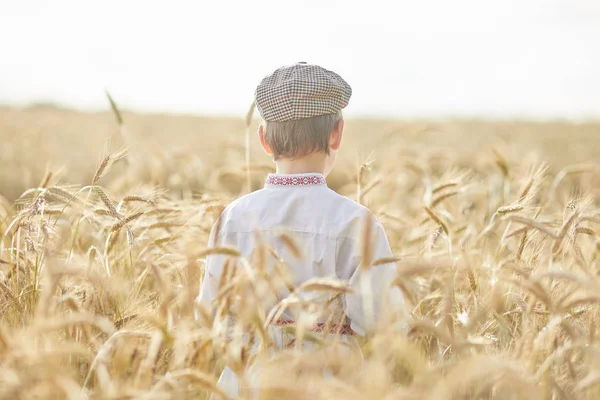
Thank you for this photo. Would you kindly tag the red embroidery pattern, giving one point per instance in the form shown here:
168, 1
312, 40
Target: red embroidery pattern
295, 180
319, 327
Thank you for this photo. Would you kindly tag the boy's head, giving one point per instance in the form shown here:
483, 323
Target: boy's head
301, 106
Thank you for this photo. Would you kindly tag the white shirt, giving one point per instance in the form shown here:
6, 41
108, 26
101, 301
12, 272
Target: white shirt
326, 226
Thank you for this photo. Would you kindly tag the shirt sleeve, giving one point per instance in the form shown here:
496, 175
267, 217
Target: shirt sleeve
212, 272
372, 288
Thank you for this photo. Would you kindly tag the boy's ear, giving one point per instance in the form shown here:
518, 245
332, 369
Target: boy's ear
263, 140
335, 138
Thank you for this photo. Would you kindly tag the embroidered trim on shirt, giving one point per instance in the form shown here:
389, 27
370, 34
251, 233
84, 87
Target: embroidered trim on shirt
319, 327
295, 180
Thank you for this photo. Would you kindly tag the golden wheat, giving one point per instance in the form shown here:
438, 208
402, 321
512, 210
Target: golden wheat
96, 295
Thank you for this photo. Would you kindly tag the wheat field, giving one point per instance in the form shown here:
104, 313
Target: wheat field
104, 221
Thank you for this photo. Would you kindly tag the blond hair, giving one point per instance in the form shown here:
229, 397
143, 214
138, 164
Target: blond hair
299, 138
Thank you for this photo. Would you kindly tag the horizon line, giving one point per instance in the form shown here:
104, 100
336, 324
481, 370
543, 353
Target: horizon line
356, 115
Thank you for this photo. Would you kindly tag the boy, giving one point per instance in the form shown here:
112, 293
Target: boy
302, 130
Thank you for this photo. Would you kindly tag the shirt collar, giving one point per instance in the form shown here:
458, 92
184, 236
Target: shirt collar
309, 179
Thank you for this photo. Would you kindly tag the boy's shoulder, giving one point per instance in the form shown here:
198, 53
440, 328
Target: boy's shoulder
346, 204
248, 203
245, 200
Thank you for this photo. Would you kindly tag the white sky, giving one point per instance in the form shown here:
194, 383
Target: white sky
501, 58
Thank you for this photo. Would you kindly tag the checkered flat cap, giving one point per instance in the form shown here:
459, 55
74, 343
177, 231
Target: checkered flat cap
301, 91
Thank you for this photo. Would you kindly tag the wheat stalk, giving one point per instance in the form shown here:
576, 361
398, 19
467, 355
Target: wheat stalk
112, 210
249, 115
125, 221
437, 220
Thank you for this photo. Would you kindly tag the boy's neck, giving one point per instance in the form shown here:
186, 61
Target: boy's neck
312, 163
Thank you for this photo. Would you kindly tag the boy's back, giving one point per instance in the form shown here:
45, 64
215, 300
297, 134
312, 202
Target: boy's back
327, 228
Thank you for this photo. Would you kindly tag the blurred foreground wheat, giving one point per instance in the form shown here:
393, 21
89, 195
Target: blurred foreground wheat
497, 257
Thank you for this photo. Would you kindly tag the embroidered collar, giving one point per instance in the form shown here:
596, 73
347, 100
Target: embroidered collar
295, 179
